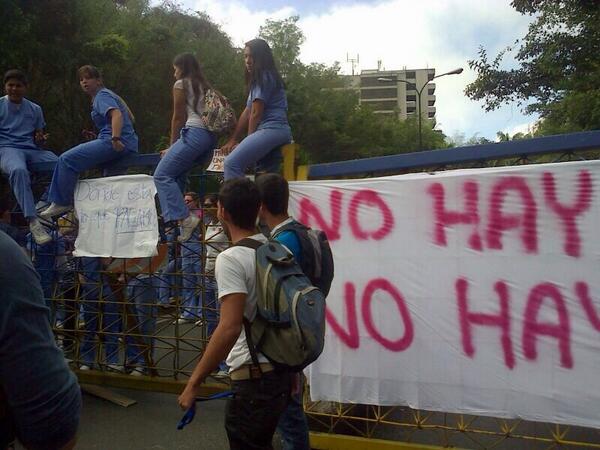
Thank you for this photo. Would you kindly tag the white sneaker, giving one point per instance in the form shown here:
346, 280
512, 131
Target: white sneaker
137, 372
39, 233
188, 225
115, 368
55, 210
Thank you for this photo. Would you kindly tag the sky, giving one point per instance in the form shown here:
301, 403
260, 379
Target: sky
443, 34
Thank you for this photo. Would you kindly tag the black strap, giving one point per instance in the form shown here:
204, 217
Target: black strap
251, 346
253, 244
248, 243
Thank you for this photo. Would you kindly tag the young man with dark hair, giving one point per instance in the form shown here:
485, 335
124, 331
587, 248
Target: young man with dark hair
261, 393
274, 197
21, 136
40, 400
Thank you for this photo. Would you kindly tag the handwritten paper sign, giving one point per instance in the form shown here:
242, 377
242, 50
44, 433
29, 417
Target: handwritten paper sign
117, 217
469, 291
218, 161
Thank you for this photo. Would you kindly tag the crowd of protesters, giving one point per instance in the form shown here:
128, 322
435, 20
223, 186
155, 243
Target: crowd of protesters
40, 404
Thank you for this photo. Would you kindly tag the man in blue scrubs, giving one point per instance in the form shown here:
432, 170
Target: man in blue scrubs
21, 136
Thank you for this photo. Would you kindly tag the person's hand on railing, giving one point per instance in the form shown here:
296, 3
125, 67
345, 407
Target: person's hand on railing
229, 146
88, 135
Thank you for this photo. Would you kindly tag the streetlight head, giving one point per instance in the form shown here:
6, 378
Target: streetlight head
456, 71
384, 79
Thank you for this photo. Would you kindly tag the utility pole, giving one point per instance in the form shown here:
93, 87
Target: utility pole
353, 61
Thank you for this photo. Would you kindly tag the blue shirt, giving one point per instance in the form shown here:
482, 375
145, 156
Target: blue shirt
18, 122
104, 101
274, 99
42, 392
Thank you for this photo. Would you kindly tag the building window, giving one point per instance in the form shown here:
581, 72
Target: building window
430, 76
411, 98
411, 75
431, 114
385, 105
373, 81
411, 109
378, 93
431, 103
431, 91
411, 87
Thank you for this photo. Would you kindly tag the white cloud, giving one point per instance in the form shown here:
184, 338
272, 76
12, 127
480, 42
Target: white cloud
443, 34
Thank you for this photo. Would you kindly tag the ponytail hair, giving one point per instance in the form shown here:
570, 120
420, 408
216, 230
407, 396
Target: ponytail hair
191, 70
89, 71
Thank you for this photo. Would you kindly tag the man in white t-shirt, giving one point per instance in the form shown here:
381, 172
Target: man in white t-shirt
261, 393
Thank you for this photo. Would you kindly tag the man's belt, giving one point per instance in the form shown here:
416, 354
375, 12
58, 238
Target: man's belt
250, 371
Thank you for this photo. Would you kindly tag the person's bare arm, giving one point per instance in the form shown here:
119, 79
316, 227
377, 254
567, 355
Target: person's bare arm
116, 121
221, 342
179, 114
240, 128
258, 107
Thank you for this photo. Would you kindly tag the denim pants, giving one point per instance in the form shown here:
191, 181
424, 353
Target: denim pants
98, 300
191, 272
168, 281
252, 413
193, 146
13, 163
292, 425
141, 292
74, 161
259, 147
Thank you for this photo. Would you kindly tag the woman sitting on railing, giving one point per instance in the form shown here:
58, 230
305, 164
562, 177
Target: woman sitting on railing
116, 139
264, 119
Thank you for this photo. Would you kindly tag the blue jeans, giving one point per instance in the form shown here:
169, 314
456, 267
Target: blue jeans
168, 281
74, 161
13, 163
98, 300
193, 146
260, 145
191, 272
142, 293
292, 425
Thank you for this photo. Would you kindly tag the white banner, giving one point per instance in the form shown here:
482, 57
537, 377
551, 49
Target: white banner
471, 291
117, 217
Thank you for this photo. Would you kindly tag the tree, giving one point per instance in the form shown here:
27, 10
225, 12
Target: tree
558, 66
326, 118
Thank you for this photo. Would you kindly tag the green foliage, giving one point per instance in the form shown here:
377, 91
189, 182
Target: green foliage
326, 118
131, 42
558, 66
134, 43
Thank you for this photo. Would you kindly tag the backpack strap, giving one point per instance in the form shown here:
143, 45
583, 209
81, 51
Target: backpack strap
253, 244
248, 243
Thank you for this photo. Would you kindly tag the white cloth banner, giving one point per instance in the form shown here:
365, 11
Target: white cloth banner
471, 291
117, 217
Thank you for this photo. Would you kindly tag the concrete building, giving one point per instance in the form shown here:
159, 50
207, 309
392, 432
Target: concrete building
395, 91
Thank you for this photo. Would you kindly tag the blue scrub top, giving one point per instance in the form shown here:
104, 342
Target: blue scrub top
18, 123
291, 241
273, 96
104, 101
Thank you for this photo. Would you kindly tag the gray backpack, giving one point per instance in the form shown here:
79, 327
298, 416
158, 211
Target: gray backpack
289, 328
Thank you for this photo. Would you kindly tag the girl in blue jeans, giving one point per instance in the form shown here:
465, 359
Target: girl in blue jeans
116, 138
264, 118
191, 142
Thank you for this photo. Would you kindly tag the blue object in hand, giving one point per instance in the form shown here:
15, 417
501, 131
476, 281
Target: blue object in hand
190, 413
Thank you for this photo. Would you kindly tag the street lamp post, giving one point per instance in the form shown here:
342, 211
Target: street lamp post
419, 92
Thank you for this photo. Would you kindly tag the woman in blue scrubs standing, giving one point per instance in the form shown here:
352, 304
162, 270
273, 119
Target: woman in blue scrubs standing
264, 118
116, 139
191, 142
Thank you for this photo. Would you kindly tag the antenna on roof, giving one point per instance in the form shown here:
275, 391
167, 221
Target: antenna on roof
353, 61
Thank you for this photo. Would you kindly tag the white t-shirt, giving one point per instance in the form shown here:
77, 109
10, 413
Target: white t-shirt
193, 119
216, 241
235, 272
